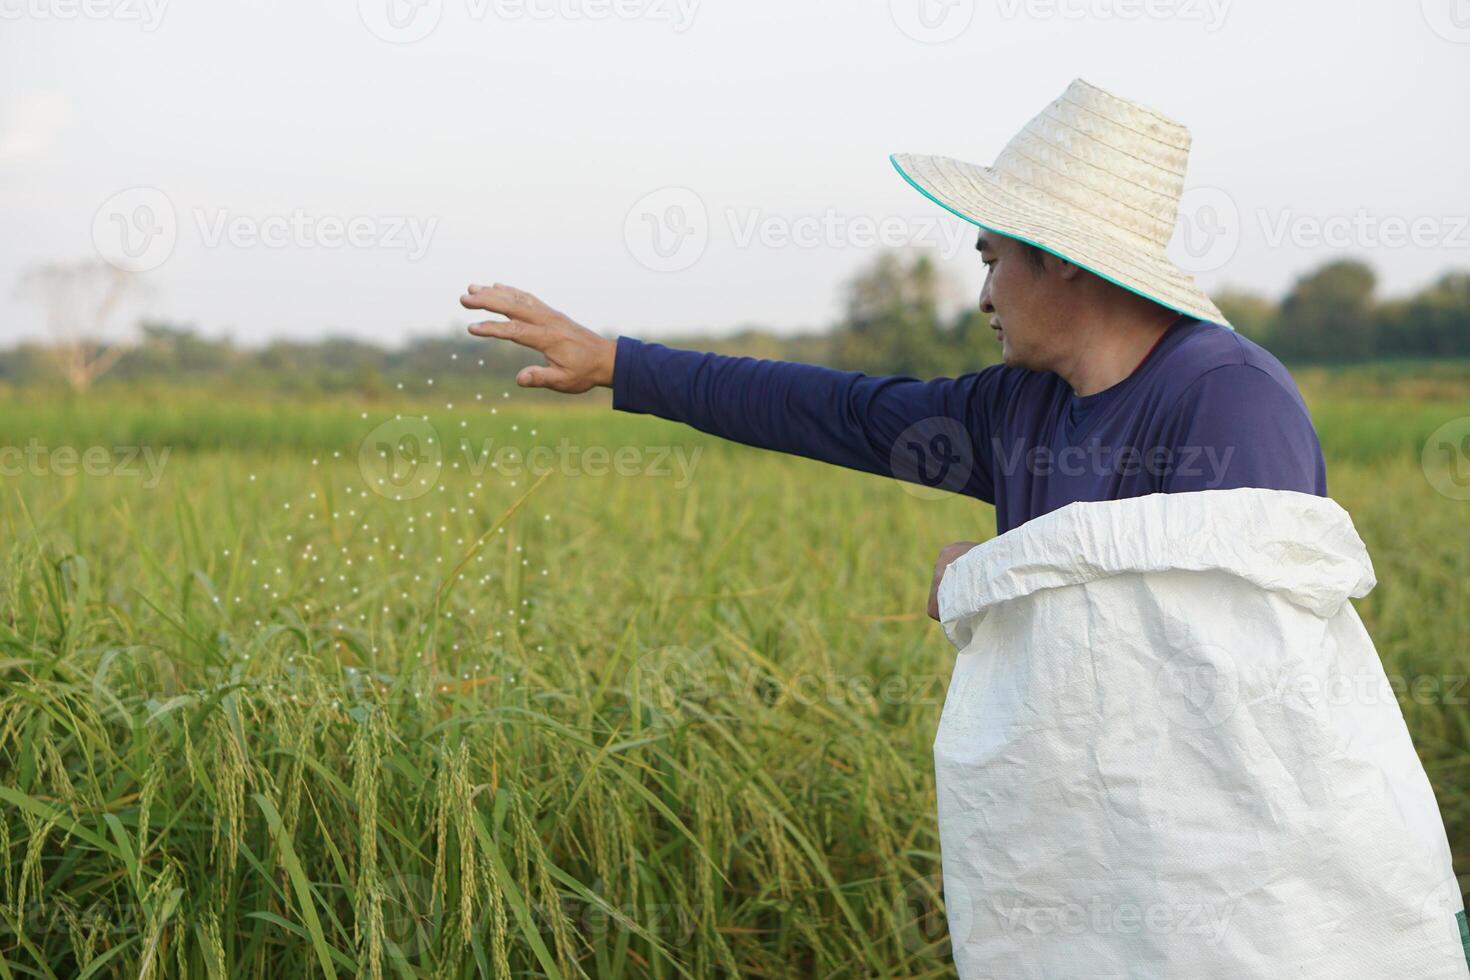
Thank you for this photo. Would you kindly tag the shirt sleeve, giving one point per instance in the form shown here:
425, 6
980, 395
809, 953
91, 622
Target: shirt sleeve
934, 433
1238, 426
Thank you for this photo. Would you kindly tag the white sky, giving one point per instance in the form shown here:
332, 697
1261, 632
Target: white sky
518, 135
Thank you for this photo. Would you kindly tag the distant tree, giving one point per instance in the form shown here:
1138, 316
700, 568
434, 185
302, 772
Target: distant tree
751, 341
177, 352
1434, 322
1252, 315
892, 323
975, 346
1329, 315
25, 363
79, 300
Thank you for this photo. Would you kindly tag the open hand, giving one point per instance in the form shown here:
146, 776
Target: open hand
576, 358
947, 555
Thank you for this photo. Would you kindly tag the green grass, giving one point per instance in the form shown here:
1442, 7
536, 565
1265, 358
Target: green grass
636, 727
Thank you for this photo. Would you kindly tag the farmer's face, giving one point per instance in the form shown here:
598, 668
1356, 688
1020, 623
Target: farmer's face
1022, 300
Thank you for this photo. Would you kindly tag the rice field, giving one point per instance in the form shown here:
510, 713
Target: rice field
325, 688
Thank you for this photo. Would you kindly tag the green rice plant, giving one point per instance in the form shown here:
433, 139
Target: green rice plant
601, 724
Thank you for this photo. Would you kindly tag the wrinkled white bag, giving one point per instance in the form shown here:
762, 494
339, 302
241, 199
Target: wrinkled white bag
1169, 750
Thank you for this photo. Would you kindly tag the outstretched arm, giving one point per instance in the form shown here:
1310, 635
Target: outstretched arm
917, 431
927, 432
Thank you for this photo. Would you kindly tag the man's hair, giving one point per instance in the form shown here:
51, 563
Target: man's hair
1036, 255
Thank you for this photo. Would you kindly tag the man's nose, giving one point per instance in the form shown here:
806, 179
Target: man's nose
985, 305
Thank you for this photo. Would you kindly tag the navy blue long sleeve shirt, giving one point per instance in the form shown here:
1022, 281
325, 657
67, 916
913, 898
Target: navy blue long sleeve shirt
1205, 409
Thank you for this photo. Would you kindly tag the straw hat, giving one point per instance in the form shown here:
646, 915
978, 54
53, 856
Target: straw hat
1095, 179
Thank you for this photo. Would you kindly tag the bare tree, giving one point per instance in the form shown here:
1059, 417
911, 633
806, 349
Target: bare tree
79, 299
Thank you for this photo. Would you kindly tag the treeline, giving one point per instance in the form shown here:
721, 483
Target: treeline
178, 354
1333, 316
893, 323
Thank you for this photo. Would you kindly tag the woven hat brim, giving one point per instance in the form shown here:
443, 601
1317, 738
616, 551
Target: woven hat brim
975, 194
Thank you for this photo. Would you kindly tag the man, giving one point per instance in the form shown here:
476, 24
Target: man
1120, 377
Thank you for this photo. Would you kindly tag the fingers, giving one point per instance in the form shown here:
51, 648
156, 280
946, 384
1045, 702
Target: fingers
948, 555
508, 302
526, 334
543, 377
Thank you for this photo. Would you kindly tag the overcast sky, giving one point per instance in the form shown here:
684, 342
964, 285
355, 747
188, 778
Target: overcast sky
280, 168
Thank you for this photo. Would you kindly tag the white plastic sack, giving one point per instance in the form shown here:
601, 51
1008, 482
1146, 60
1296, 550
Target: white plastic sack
1169, 750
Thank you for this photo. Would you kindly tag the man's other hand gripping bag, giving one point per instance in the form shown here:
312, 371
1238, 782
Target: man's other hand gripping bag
1169, 749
